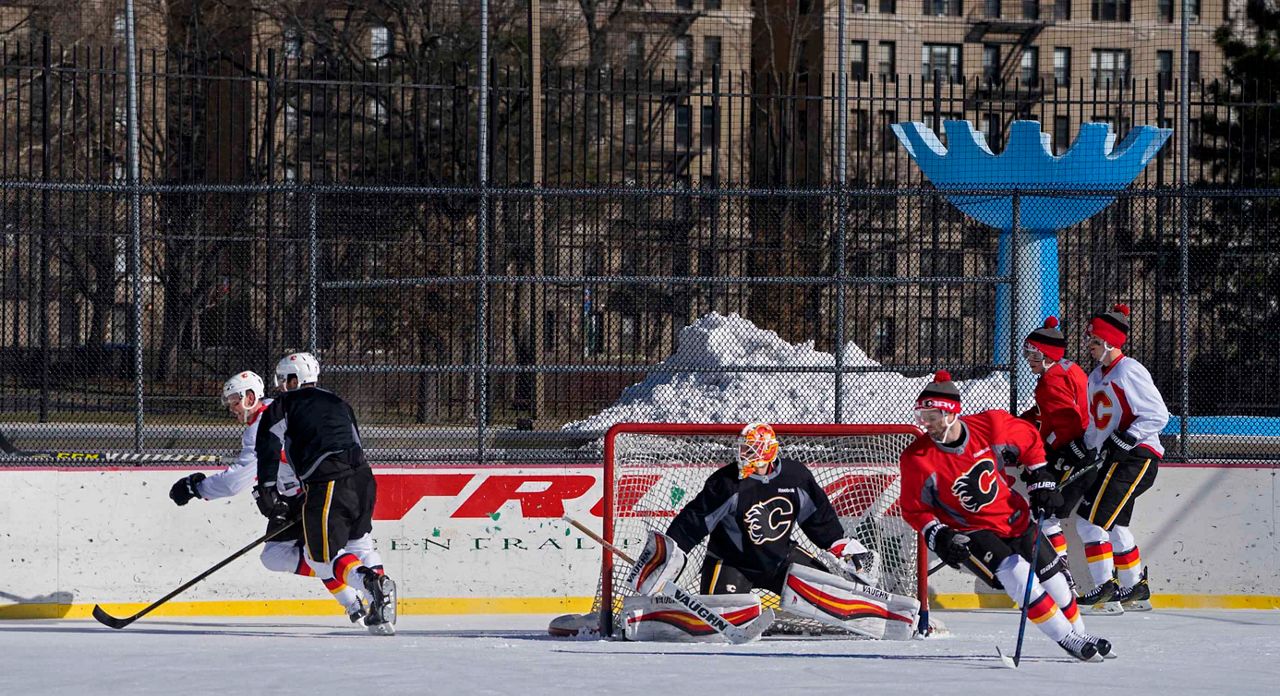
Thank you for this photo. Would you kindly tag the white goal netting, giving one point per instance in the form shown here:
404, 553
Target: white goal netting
652, 470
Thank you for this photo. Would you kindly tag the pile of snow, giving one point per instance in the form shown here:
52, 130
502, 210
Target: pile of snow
729, 342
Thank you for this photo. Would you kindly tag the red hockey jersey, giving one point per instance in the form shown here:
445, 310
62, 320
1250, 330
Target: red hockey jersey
961, 486
1062, 400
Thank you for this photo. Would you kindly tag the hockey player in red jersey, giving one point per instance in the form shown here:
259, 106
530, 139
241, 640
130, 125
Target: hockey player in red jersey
952, 491
1127, 414
1061, 412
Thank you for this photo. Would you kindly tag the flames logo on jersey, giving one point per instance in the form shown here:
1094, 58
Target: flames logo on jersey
976, 488
769, 520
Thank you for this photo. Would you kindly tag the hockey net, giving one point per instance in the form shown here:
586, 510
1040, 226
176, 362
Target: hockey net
653, 469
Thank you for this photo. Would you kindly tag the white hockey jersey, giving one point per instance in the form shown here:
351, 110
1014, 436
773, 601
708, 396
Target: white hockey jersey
1123, 397
241, 475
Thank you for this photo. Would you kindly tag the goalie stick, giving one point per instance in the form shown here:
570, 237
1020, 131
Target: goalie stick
8, 449
734, 634
108, 620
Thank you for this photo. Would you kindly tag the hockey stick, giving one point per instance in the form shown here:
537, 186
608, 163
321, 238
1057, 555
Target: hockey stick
8, 449
734, 634
1012, 663
109, 620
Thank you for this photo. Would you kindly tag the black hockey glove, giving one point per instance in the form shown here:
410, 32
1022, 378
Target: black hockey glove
951, 546
1120, 443
1043, 492
271, 505
1076, 454
186, 488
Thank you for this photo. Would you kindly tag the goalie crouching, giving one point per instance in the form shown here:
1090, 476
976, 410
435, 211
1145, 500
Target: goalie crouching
751, 509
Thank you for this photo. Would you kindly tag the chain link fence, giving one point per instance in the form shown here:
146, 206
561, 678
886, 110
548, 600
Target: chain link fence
683, 246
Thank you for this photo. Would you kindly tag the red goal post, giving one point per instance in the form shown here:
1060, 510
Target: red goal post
651, 469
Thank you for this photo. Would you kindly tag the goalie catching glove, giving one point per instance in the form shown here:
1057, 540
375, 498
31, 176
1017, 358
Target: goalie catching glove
660, 562
850, 558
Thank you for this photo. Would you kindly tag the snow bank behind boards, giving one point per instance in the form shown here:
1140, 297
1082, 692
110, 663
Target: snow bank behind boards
668, 395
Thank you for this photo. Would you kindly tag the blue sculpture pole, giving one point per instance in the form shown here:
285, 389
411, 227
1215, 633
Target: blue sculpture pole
1094, 166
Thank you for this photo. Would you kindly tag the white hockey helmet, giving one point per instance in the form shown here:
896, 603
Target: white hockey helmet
304, 366
239, 384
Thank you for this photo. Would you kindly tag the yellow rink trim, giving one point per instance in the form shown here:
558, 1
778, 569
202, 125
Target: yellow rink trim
1160, 601
306, 607
534, 605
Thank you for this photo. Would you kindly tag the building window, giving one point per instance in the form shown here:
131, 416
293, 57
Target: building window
1062, 9
1164, 69
379, 42
684, 125
990, 63
549, 337
935, 121
684, 4
630, 124
858, 60
888, 6
594, 343
886, 338
635, 51
887, 60
627, 334
1061, 134
118, 28
1164, 9
941, 58
710, 53
1193, 66
1062, 65
1030, 66
291, 39
942, 263
712, 4
1109, 67
1194, 17
1031, 9
992, 9
684, 53
1111, 10
940, 338
943, 8
861, 132
290, 119
710, 127
887, 138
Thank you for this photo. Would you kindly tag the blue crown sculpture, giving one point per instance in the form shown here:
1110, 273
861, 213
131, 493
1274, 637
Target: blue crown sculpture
1092, 164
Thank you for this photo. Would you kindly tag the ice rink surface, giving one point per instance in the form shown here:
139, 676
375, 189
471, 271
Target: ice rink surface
1164, 652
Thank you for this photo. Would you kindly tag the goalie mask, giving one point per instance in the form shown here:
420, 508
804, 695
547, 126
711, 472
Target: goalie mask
303, 366
242, 394
757, 449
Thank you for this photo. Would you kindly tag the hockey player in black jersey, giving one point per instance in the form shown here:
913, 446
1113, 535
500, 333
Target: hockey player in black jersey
750, 509
321, 439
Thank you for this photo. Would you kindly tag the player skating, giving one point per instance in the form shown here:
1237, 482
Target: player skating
1061, 412
321, 439
953, 493
243, 395
750, 509
1127, 414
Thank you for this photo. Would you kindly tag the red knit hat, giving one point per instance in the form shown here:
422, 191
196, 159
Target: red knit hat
1112, 327
941, 394
1049, 340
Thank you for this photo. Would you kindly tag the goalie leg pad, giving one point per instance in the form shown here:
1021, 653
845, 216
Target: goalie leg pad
857, 608
660, 562
662, 618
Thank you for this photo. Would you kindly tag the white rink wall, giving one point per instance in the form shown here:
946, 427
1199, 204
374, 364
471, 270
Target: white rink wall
465, 539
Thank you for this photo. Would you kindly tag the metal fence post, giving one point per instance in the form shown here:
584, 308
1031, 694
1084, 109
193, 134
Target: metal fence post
1014, 339
42, 293
135, 218
482, 243
1184, 237
842, 209
313, 265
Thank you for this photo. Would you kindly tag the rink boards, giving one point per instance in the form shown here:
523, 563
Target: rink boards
490, 539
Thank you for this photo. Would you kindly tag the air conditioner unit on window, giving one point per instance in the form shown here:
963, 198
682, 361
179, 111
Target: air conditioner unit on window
859, 8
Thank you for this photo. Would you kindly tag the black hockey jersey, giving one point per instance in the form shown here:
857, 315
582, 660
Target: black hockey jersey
316, 429
751, 520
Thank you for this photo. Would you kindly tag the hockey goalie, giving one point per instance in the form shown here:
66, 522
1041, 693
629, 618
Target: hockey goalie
750, 510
